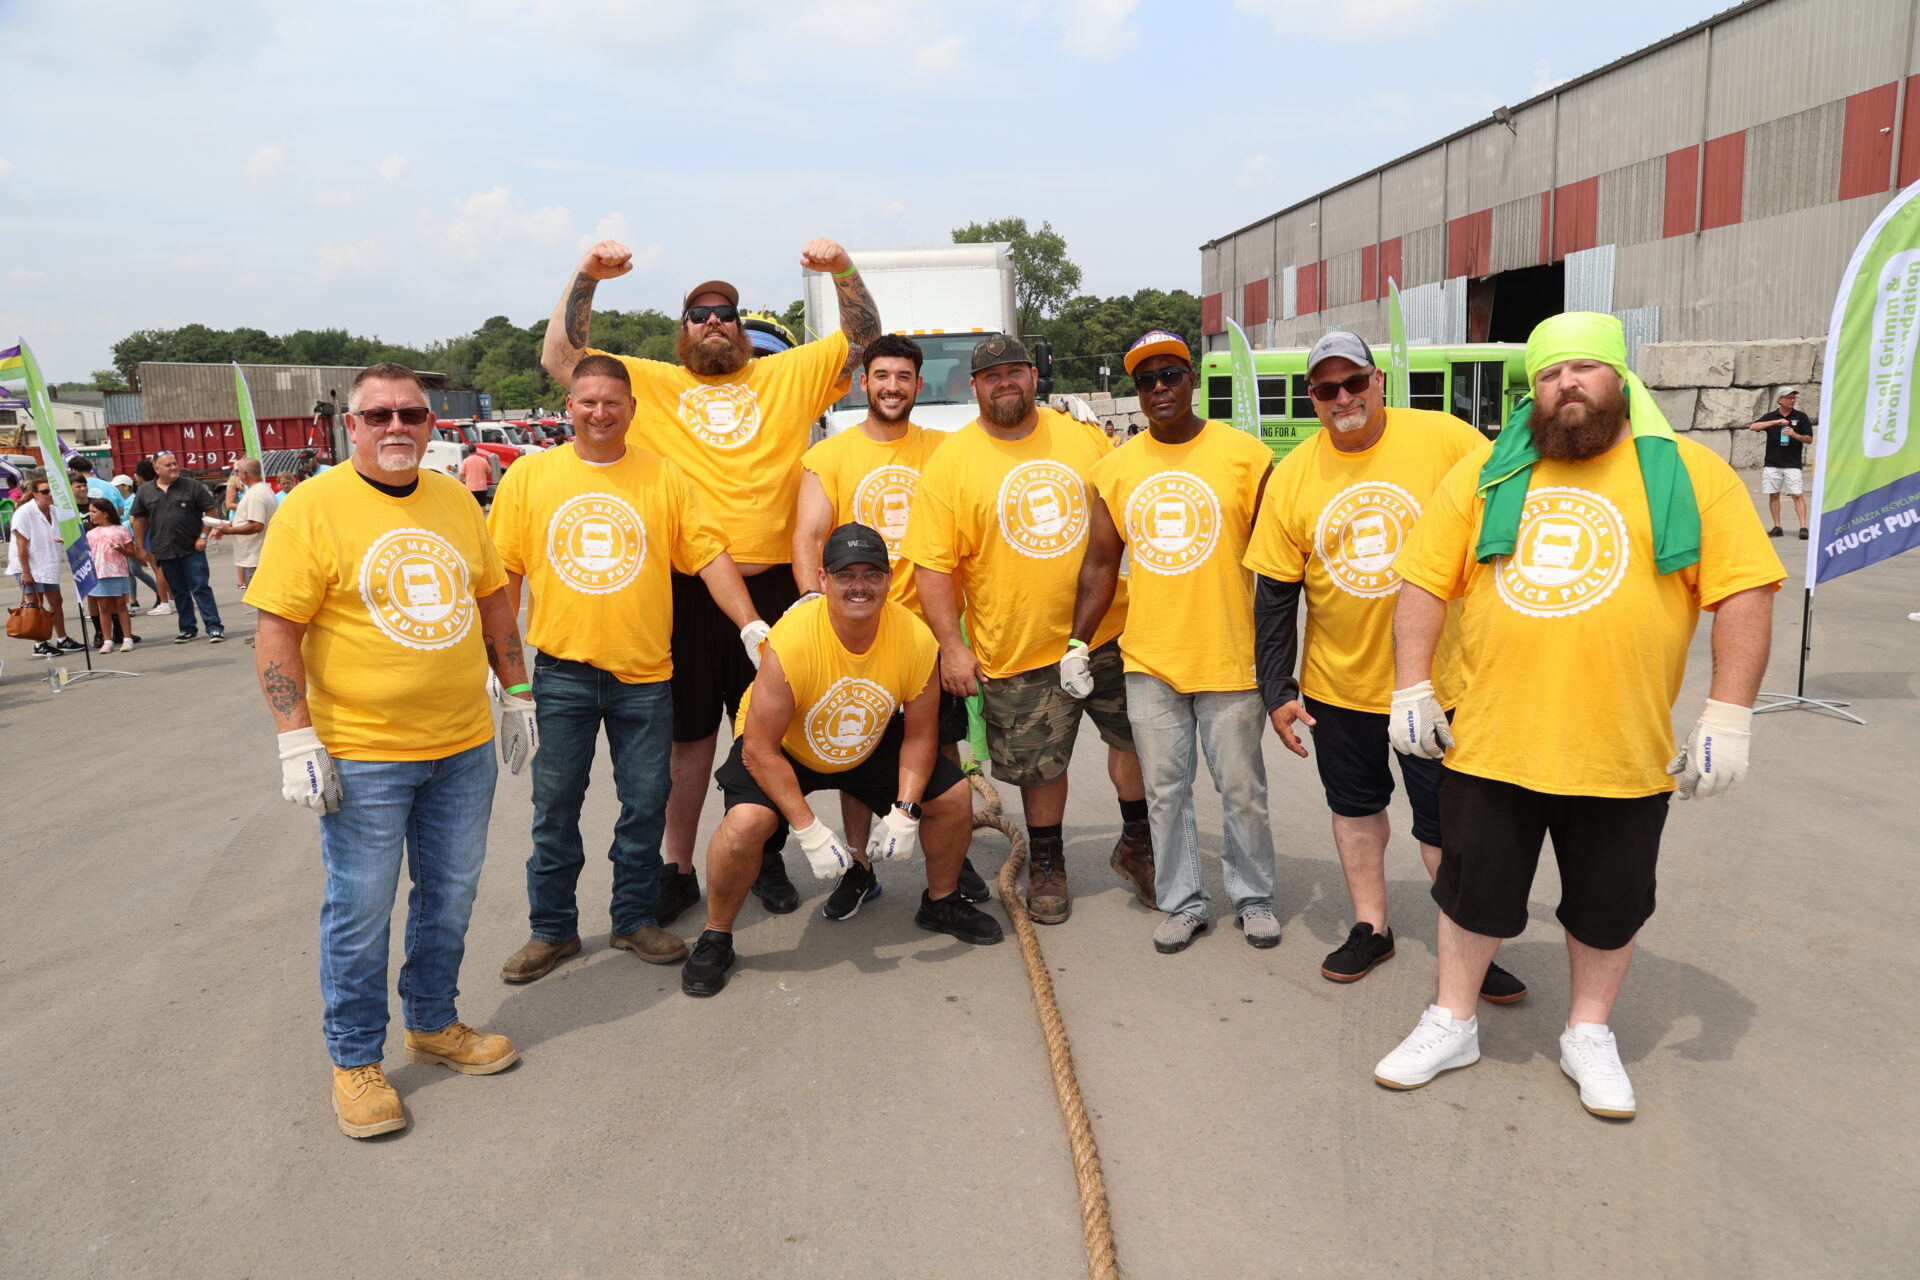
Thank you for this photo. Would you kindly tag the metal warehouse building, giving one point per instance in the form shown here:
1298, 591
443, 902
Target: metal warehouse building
1711, 186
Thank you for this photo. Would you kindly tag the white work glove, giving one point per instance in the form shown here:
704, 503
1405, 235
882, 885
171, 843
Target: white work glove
895, 838
519, 732
826, 852
753, 635
1714, 756
811, 595
1076, 671
1077, 409
307, 775
1417, 726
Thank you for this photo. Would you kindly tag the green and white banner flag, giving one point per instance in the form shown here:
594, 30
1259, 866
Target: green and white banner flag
66, 513
1399, 363
1246, 391
249, 428
1866, 495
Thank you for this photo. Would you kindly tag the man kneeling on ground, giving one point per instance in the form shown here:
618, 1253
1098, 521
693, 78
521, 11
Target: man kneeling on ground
821, 716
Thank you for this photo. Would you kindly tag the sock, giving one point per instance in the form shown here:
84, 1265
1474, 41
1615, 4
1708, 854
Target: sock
1043, 832
1133, 810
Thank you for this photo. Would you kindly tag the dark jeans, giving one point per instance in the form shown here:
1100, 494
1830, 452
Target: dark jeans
134, 567
574, 699
187, 576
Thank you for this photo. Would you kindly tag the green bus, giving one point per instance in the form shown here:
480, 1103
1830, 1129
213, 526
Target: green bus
1479, 383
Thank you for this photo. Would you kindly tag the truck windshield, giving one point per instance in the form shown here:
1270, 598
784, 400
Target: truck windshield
945, 371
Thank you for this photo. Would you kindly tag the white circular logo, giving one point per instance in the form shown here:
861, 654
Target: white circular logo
725, 415
596, 543
883, 499
1042, 509
847, 721
1571, 552
415, 587
1173, 523
1360, 531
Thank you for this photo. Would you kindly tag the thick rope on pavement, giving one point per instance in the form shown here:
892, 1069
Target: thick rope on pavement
1096, 1219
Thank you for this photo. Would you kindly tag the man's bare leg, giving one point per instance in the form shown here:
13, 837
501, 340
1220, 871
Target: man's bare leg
857, 821
1596, 979
692, 775
1464, 957
733, 860
1123, 767
1046, 804
946, 829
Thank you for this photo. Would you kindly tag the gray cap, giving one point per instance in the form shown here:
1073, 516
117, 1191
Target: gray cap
1347, 346
1786, 391
999, 348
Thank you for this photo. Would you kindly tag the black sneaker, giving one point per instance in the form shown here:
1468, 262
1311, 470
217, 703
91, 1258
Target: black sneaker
678, 891
215, 637
705, 971
1803, 533
1501, 987
185, 636
67, 644
972, 887
956, 917
773, 887
858, 885
45, 649
1356, 957
1774, 532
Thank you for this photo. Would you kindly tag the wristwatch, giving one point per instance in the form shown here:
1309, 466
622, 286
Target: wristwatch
909, 808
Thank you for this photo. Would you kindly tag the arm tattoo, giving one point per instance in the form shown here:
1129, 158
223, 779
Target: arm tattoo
283, 694
493, 654
580, 308
859, 319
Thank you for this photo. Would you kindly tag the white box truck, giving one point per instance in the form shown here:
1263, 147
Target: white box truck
944, 297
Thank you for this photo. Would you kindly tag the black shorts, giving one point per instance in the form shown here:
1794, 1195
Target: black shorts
953, 714
1351, 750
711, 671
874, 782
1606, 848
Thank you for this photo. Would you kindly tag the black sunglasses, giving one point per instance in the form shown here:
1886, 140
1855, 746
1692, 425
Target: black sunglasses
1324, 391
413, 417
725, 313
1170, 377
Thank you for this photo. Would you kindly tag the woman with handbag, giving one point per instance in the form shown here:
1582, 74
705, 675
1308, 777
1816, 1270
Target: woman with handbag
39, 545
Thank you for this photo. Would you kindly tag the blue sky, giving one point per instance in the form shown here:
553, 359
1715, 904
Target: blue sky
408, 169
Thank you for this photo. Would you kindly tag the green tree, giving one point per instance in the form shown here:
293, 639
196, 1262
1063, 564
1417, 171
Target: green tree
518, 391
108, 380
1045, 277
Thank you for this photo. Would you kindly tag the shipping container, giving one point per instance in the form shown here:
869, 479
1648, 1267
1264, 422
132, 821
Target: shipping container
127, 406
211, 444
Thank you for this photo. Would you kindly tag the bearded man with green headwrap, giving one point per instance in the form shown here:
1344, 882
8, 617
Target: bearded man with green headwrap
1583, 547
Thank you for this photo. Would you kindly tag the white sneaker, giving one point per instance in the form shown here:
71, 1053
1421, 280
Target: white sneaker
162, 608
1913, 617
1591, 1060
106, 646
1437, 1044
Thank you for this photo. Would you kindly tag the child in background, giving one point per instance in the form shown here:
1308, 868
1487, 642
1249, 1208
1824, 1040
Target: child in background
108, 541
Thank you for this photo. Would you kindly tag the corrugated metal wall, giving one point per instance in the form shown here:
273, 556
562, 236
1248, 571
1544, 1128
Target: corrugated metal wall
177, 392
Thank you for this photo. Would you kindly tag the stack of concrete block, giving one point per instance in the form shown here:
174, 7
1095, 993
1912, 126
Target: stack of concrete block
1716, 390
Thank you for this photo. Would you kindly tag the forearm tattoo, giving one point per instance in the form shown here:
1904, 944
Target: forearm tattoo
859, 318
580, 308
283, 692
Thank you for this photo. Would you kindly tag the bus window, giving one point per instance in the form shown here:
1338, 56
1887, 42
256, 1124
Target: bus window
1273, 396
1428, 388
1302, 402
1476, 394
1220, 399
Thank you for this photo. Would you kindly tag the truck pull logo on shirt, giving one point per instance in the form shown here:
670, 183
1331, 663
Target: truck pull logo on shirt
1359, 533
1571, 552
725, 415
416, 589
1173, 522
1042, 509
846, 723
596, 543
883, 499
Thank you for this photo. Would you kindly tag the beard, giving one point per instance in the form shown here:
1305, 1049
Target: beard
890, 416
714, 356
1010, 412
1580, 429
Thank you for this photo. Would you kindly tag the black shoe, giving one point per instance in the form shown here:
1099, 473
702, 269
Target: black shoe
858, 885
67, 644
678, 891
1803, 533
45, 649
972, 887
705, 971
1774, 532
185, 636
1501, 987
215, 637
956, 917
1356, 957
772, 887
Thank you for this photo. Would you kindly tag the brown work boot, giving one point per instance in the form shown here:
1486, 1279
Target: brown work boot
470, 1052
365, 1103
536, 959
1047, 899
652, 944
1133, 859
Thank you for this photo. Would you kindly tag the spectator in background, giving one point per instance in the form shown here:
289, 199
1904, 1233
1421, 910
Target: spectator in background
174, 508
109, 543
476, 470
143, 474
38, 544
285, 480
82, 469
1789, 432
124, 486
251, 514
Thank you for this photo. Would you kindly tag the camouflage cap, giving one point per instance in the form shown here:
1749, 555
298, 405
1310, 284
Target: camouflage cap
999, 348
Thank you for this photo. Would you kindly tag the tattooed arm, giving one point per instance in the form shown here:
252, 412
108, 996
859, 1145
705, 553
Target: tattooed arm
566, 340
500, 629
859, 318
282, 671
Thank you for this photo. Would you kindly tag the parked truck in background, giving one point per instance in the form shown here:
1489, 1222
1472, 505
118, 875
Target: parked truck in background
944, 297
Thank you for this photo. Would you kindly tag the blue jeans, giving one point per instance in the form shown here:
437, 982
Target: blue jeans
1228, 725
134, 567
434, 814
573, 700
187, 578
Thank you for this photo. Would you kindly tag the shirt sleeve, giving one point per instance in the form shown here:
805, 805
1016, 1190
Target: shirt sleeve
489, 574
698, 538
1437, 552
1274, 552
290, 581
504, 523
1735, 554
931, 534
139, 505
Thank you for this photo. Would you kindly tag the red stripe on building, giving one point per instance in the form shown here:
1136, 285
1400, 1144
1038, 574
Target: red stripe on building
1390, 265
1725, 171
1576, 217
1910, 134
1866, 142
1253, 303
1470, 244
1369, 272
1683, 183
1210, 315
1307, 289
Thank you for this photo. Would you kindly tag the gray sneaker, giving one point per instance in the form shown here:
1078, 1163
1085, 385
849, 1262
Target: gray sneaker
1177, 930
1261, 928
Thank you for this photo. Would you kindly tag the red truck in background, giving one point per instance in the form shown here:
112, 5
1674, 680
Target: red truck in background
460, 432
212, 446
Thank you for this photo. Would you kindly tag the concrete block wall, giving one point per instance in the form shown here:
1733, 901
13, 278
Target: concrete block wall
1715, 390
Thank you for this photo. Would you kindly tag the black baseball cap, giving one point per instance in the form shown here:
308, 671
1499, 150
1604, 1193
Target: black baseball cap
999, 348
855, 544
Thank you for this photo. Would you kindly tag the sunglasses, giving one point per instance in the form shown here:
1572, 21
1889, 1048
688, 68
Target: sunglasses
1324, 391
1145, 382
414, 417
43, 493
723, 313
870, 578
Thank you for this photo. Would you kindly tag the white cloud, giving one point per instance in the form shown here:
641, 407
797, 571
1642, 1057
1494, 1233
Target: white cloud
492, 220
1098, 29
393, 166
938, 58
1544, 79
614, 227
335, 259
265, 163
6, 166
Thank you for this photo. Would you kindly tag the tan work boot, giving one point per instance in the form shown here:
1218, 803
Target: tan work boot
652, 944
536, 959
1133, 859
1047, 899
470, 1052
365, 1103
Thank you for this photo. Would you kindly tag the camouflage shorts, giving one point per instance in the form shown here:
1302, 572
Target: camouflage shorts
1032, 722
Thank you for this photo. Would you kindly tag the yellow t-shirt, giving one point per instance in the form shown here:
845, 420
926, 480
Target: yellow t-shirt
595, 544
873, 482
1337, 520
395, 665
1009, 521
843, 701
739, 438
1185, 512
1575, 645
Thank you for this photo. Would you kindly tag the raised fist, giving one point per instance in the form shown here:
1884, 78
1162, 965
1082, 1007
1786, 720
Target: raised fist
607, 259
822, 254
